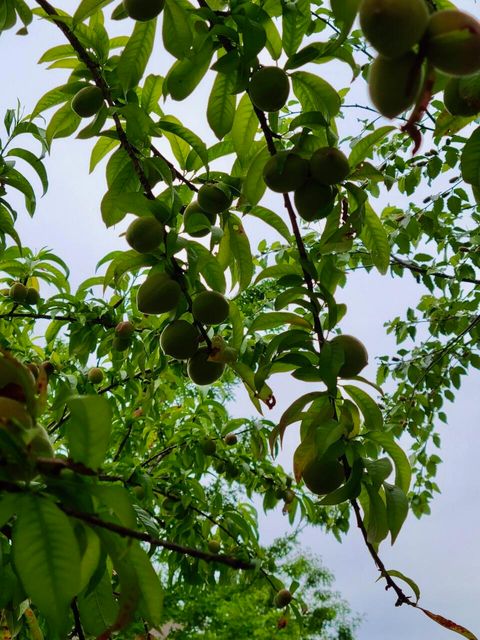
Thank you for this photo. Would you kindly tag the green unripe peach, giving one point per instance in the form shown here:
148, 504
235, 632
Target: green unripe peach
125, 329
143, 10
452, 42
32, 297
209, 447
393, 26
196, 221
18, 292
95, 375
13, 411
282, 598
88, 101
210, 307
214, 546
285, 172
230, 439
461, 96
355, 355
394, 84
329, 165
158, 294
180, 340
121, 344
145, 234
269, 88
323, 475
214, 198
139, 491
40, 445
314, 201
201, 370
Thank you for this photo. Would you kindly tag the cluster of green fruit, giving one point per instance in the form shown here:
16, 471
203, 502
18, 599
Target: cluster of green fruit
404, 33
21, 294
143, 10
200, 215
312, 181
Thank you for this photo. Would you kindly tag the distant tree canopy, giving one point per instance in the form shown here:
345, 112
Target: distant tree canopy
124, 481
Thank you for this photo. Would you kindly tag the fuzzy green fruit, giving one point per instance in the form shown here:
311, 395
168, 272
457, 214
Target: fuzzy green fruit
210, 307
394, 84
285, 172
282, 598
121, 344
393, 26
462, 96
12, 412
95, 375
329, 165
269, 88
143, 10
145, 234
32, 297
201, 370
355, 355
323, 475
209, 447
88, 101
214, 198
214, 546
125, 329
158, 294
180, 340
40, 445
197, 221
18, 292
314, 201
230, 439
452, 42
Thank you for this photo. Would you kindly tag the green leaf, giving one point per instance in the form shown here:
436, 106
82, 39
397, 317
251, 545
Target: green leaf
273, 220
88, 429
186, 74
103, 146
151, 592
397, 508
470, 159
370, 410
208, 265
86, 8
177, 30
315, 94
350, 490
375, 239
64, 122
377, 526
56, 96
295, 22
34, 162
277, 271
47, 557
240, 248
254, 186
115, 206
15, 179
402, 466
172, 126
151, 93
265, 321
413, 585
8, 507
98, 609
136, 54
366, 145
245, 125
221, 105
345, 12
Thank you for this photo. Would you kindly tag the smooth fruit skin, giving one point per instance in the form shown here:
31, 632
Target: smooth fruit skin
88, 101
145, 234
201, 371
214, 198
314, 201
452, 42
143, 10
95, 375
180, 340
461, 96
282, 598
356, 355
269, 88
158, 294
393, 26
323, 476
196, 221
394, 84
18, 292
285, 172
329, 165
210, 307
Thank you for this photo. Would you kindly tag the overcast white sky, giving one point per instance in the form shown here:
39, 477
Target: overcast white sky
441, 552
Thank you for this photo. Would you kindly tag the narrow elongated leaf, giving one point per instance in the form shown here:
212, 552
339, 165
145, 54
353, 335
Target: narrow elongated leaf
277, 271
369, 408
197, 144
103, 146
88, 429
403, 471
254, 185
221, 105
377, 526
8, 507
295, 22
186, 74
137, 52
375, 239
151, 93
276, 319
34, 162
244, 127
350, 490
46, 557
449, 624
315, 94
397, 508
86, 8
151, 592
470, 159
366, 145
98, 609
177, 30
240, 248
413, 585
63, 123
273, 220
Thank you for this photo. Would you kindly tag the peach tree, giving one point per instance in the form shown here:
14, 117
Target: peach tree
121, 471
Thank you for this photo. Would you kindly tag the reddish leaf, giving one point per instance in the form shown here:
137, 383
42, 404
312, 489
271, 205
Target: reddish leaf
449, 624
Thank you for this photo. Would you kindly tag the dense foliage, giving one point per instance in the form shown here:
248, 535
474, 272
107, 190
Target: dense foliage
122, 474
